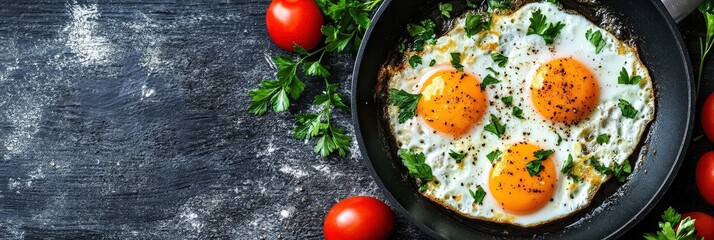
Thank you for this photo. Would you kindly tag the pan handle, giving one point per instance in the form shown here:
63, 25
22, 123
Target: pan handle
679, 9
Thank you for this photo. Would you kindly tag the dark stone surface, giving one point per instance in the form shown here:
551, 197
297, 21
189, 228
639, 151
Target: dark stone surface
128, 120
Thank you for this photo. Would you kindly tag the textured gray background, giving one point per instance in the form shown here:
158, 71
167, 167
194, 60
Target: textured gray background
128, 120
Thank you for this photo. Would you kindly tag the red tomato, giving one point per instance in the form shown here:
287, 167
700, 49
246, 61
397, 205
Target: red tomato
292, 22
703, 223
708, 117
359, 218
705, 176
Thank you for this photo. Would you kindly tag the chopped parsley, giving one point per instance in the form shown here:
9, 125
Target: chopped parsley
627, 110
433, 61
560, 140
493, 156
423, 188
620, 172
603, 138
415, 165
456, 61
478, 195
534, 167
475, 24
495, 127
599, 167
568, 169
595, 37
456, 156
423, 33
624, 78
499, 59
406, 102
539, 27
445, 9
518, 112
414, 61
488, 80
490, 69
508, 101
496, 4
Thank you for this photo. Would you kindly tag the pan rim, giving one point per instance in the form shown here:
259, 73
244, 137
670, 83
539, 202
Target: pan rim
641, 214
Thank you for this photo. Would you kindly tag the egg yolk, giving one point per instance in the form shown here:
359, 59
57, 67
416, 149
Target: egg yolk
514, 188
452, 102
564, 91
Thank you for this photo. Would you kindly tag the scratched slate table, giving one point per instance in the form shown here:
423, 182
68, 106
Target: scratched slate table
128, 120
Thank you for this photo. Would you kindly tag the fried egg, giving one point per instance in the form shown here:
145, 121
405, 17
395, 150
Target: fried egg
562, 97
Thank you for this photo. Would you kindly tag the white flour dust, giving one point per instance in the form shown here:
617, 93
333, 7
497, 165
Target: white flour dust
146, 92
25, 119
82, 35
293, 171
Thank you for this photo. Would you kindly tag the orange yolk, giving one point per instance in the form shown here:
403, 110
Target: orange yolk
564, 91
514, 188
452, 102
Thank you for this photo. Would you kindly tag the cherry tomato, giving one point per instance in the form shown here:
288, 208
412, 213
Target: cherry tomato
708, 117
705, 176
359, 218
292, 22
703, 223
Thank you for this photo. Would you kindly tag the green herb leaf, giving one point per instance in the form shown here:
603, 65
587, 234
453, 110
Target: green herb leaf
670, 218
508, 101
415, 165
534, 167
552, 1
402, 46
625, 79
560, 140
518, 113
423, 187
433, 61
595, 37
603, 138
499, 4
620, 172
705, 45
627, 110
543, 154
406, 102
475, 24
300, 50
414, 61
568, 166
316, 69
490, 69
495, 127
488, 80
445, 9
456, 61
599, 167
539, 27
456, 156
499, 59
478, 195
423, 33
471, 4
493, 156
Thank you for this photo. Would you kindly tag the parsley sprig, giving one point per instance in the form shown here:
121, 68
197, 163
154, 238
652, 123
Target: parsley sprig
625, 78
406, 102
707, 10
672, 220
568, 169
346, 22
620, 172
415, 164
495, 126
539, 27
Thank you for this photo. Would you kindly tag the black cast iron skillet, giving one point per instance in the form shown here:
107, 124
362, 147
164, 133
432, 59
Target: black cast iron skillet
616, 207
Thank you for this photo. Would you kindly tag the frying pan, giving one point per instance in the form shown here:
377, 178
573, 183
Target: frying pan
616, 207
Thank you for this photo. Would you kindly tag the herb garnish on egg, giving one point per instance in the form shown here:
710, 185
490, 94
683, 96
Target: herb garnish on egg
539, 27
456, 156
406, 102
603, 138
495, 127
568, 169
416, 166
499, 59
492, 156
488, 80
414, 61
595, 37
627, 110
478, 195
534, 167
624, 78
456, 61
